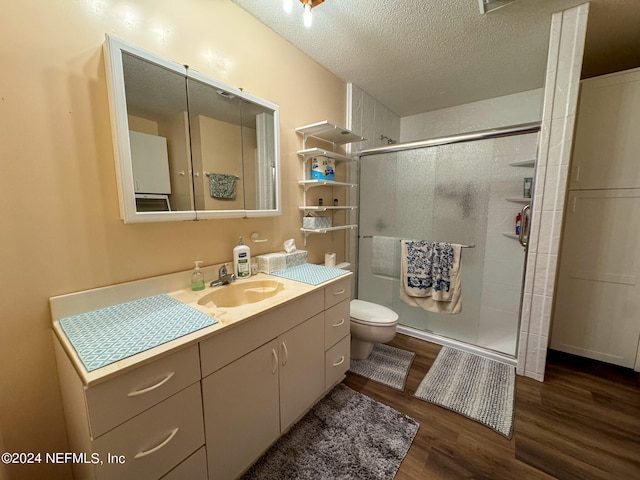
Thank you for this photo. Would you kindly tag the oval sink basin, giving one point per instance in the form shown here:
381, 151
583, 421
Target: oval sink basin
242, 293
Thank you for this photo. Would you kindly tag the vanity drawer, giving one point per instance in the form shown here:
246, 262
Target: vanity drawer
337, 323
337, 362
193, 468
337, 292
155, 441
111, 403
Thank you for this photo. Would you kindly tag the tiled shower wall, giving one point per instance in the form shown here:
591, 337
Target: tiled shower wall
369, 118
564, 64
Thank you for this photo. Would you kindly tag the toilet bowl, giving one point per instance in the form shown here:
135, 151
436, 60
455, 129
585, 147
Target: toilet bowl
370, 324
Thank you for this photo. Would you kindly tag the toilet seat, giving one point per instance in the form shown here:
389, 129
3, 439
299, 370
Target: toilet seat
367, 313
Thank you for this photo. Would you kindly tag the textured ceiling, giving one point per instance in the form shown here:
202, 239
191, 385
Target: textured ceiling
417, 56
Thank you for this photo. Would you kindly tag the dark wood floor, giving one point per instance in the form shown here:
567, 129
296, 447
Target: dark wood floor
582, 422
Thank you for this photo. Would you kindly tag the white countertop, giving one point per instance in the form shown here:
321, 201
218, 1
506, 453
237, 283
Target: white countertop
80, 302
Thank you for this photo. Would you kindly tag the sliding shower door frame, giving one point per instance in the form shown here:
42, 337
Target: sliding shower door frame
513, 130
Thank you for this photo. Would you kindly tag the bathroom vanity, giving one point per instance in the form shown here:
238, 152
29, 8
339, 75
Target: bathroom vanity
205, 405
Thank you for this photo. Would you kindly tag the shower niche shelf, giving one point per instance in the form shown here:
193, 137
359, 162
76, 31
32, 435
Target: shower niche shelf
515, 236
326, 133
524, 163
518, 199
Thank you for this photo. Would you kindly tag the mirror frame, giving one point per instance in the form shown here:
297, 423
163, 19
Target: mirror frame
113, 50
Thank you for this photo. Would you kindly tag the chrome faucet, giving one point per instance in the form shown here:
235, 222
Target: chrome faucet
224, 277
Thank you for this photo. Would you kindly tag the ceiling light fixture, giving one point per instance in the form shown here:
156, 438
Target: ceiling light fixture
287, 5
307, 6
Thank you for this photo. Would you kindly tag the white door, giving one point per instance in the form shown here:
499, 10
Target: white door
607, 136
597, 312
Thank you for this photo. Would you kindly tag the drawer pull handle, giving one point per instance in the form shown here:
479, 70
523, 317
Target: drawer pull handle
339, 292
285, 354
339, 362
135, 393
339, 324
158, 447
274, 363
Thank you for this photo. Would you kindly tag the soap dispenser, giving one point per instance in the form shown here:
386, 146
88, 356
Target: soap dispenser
242, 260
197, 278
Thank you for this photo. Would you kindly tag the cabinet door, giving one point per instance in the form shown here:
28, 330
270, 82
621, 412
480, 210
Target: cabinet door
301, 369
241, 411
598, 300
607, 140
150, 163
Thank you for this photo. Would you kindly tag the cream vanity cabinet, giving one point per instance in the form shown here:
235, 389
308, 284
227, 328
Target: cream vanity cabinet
142, 424
250, 399
210, 409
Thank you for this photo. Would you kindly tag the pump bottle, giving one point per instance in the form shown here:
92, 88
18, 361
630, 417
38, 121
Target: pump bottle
197, 277
242, 260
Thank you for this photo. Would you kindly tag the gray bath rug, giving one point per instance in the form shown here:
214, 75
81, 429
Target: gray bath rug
478, 388
347, 435
387, 365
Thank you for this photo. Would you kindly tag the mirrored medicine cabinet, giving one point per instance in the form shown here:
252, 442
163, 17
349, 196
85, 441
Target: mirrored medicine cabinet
188, 147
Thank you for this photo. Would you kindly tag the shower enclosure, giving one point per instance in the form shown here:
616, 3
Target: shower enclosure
465, 189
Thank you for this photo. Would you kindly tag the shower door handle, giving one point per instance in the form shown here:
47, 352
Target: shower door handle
523, 236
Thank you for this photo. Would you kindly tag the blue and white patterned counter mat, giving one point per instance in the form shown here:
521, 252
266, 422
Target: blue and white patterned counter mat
310, 273
110, 334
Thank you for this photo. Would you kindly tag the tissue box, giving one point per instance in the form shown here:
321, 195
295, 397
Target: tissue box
271, 262
293, 259
316, 222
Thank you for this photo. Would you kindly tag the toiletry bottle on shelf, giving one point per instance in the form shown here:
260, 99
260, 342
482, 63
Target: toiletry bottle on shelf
242, 260
518, 222
197, 278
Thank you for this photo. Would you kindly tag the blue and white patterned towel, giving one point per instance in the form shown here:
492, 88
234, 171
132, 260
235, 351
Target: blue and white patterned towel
428, 269
430, 276
110, 334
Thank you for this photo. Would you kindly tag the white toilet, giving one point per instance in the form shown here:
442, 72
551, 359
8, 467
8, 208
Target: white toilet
370, 323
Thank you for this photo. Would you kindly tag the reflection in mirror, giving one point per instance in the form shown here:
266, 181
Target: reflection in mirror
216, 147
259, 156
156, 100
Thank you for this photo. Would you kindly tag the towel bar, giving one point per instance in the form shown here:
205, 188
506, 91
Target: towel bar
470, 245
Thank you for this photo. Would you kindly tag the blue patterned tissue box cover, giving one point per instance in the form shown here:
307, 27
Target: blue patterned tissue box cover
105, 336
293, 259
271, 262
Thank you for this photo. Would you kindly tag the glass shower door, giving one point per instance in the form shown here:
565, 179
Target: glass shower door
448, 193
